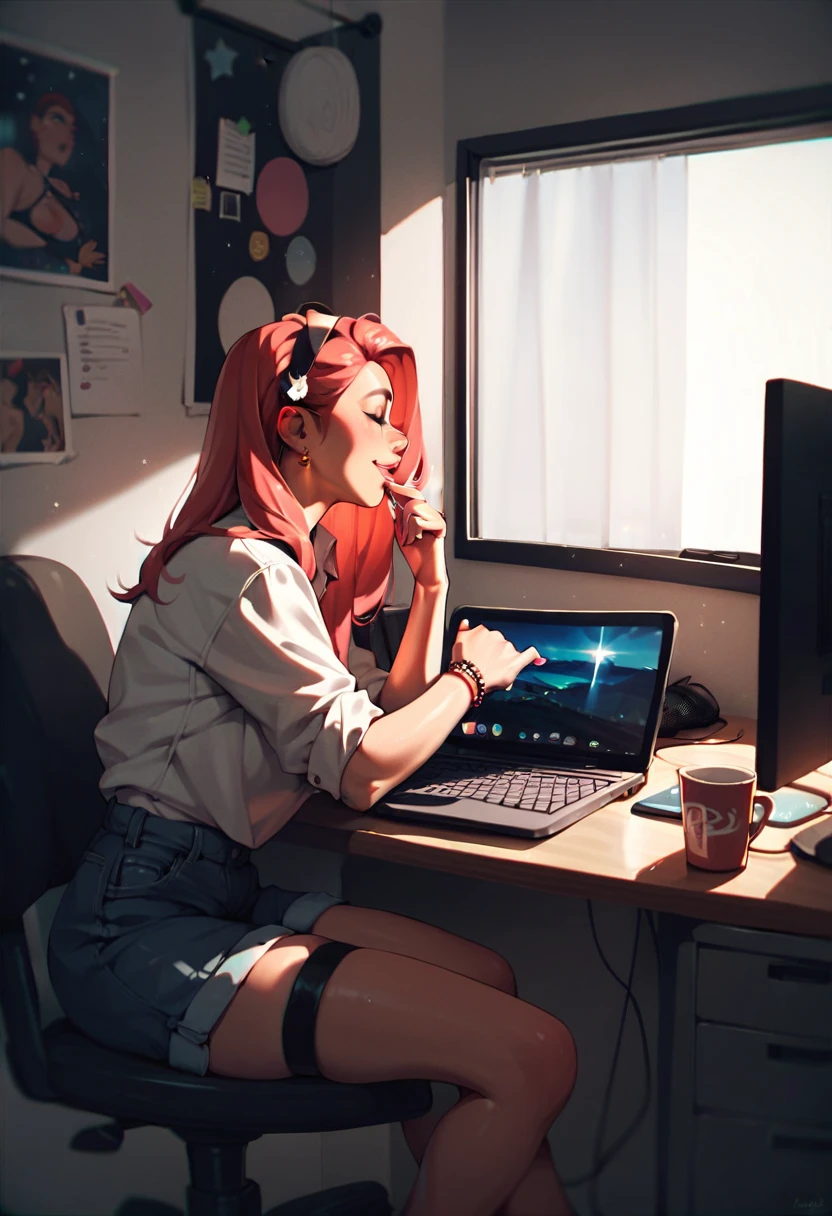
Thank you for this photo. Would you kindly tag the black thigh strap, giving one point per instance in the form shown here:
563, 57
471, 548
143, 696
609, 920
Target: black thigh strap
302, 1007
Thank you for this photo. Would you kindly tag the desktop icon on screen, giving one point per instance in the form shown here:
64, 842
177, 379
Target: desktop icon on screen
569, 741
468, 728
496, 729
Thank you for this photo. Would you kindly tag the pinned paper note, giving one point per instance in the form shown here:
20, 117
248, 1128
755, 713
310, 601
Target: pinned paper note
200, 194
104, 346
235, 158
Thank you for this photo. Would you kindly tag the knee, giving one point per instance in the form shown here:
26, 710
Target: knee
548, 1060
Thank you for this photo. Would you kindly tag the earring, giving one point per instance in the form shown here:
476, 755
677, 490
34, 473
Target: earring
304, 460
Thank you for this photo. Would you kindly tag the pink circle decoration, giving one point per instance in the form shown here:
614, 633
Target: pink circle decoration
282, 195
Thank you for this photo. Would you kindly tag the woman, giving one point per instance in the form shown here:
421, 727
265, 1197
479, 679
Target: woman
36, 208
51, 412
22, 395
234, 697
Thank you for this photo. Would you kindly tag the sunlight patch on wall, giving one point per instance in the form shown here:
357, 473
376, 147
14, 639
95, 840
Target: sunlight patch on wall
411, 305
100, 544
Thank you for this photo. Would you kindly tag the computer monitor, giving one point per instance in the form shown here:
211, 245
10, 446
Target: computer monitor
794, 715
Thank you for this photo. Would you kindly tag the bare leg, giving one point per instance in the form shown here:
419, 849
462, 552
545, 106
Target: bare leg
384, 1016
540, 1190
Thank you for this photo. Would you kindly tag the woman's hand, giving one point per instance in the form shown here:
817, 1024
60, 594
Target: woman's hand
420, 532
87, 258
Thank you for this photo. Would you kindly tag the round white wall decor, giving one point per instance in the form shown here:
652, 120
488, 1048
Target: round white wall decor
319, 105
246, 305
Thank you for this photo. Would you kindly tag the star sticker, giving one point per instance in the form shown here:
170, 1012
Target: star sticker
244, 126
221, 60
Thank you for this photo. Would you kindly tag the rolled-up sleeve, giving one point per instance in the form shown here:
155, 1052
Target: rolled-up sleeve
273, 655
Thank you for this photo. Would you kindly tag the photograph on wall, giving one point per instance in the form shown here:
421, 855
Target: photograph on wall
56, 167
34, 409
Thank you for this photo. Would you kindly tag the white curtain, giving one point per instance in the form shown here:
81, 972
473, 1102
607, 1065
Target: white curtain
581, 355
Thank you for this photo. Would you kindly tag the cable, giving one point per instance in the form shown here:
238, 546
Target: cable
602, 1158
701, 742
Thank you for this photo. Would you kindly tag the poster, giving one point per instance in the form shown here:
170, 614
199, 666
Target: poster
56, 167
274, 223
34, 409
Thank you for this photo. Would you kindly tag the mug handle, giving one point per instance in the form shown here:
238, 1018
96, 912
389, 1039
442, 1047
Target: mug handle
757, 827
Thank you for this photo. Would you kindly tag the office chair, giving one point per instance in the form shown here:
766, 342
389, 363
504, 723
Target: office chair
50, 807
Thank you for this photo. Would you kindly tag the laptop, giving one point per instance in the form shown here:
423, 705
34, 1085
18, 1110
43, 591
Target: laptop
569, 736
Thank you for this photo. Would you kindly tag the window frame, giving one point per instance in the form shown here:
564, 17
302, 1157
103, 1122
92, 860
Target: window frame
736, 120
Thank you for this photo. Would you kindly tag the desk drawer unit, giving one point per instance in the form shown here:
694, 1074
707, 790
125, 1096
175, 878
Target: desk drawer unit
764, 992
746, 1168
769, 1076
749, 1090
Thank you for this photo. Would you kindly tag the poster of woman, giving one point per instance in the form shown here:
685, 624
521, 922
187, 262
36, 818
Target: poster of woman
34, 409
56, 167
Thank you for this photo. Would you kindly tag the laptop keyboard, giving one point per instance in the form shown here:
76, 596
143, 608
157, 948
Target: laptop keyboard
528, 789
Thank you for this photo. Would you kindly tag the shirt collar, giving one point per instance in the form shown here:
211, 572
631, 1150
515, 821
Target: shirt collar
324, 546
323, 542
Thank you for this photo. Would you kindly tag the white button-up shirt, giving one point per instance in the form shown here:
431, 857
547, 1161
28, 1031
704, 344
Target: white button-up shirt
228, 705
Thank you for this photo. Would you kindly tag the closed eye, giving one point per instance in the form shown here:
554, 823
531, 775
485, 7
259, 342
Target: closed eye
379, 418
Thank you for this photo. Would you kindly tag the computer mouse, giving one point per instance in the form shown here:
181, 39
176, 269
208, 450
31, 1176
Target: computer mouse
815, 843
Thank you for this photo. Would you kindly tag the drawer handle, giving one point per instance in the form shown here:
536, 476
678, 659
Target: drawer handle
802, 1143
800, 975
799, 1055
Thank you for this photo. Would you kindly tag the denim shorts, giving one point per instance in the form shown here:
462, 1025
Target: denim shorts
157, 930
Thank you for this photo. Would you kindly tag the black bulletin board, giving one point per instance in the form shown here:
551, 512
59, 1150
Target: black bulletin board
343, 221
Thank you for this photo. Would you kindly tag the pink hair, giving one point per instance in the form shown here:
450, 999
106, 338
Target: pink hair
48, 100
239, 463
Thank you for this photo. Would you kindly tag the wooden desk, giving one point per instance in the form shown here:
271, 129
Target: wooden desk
611, 854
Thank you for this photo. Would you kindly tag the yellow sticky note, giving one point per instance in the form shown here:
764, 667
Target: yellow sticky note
200, 194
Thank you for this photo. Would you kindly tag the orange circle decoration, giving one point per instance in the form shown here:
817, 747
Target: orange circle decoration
282, 196
258, 246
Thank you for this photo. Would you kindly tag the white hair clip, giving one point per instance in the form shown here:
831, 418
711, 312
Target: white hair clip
298, 388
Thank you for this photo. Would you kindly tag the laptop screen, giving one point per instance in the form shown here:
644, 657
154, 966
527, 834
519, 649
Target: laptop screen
594, 696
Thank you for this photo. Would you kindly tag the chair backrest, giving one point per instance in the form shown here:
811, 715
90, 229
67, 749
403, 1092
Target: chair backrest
50, 704
383, 635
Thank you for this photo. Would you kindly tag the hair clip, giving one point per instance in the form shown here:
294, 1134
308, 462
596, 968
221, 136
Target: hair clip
298, 388
319, 327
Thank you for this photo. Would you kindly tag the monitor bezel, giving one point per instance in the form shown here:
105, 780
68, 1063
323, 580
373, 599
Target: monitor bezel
553, 754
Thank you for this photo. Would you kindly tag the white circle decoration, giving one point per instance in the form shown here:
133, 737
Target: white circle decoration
319, 105
246, 305
301, 260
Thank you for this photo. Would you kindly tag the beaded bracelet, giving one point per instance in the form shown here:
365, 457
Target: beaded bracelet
470, 669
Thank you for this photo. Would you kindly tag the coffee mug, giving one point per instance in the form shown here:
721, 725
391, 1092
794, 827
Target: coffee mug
717, 815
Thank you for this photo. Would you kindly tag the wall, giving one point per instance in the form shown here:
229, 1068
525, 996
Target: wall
511, 66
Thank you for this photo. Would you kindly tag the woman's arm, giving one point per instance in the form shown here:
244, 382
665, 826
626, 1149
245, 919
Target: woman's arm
395, 745
419, 656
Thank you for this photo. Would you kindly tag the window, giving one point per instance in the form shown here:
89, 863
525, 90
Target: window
627, 286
